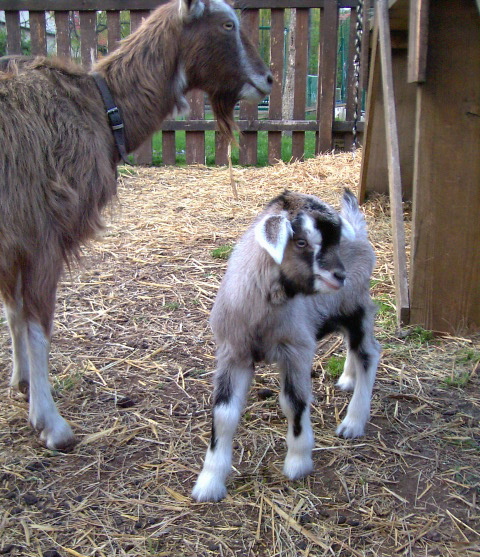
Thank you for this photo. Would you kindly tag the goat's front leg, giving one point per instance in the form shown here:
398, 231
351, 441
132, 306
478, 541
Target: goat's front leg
232, 383
295, 399
18, 331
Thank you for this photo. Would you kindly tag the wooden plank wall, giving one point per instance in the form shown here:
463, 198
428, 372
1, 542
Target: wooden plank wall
250, 119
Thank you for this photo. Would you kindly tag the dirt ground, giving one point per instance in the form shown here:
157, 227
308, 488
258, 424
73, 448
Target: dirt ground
132, 359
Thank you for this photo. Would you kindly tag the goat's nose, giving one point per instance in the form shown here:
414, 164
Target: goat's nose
270, 79
340, 275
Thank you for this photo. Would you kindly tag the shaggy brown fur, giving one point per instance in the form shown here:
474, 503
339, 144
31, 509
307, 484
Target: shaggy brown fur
58, 157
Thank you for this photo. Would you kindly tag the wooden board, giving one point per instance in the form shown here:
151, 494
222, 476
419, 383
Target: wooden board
195, 140
276, 67
393, 158
143, 155
327, 75
12, 22
249, 140
300, 89
417, 40
445, 278
88, 37
63, 34
38, 36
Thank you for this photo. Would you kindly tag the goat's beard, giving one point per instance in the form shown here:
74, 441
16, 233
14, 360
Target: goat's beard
223, 108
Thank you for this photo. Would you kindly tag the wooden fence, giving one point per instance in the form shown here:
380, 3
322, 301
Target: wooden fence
329, 133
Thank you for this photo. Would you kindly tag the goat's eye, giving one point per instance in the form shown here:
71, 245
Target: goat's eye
301, 243
229, 26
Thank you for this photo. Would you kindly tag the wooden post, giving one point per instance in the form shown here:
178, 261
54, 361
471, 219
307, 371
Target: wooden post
445, 277
38, 34
14, 42
393, 158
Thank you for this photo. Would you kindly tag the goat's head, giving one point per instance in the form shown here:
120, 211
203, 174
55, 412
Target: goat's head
220, 59
302, 235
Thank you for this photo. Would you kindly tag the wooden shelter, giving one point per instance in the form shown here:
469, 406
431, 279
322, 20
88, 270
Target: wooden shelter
422, 143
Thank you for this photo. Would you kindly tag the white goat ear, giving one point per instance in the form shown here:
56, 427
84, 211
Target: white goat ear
347, 230
272, 234
190, 9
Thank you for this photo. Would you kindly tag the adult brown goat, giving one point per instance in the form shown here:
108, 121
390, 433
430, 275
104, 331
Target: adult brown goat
58, 158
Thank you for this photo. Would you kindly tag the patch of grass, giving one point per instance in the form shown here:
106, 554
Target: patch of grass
421, 336
468, 356
172, 306
67, 382
457, 381
386, 313
222, 252
334, 367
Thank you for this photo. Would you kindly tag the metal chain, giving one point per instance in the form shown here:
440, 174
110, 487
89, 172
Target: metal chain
356, 70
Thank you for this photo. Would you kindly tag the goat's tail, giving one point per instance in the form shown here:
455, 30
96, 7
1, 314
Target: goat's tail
351, 212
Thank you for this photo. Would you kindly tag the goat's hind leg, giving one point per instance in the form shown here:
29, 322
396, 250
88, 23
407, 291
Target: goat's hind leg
232, 383
38, 309
363, 355
295, 399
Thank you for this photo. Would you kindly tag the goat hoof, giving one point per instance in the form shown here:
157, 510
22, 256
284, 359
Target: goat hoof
350, 429
60, 438
208, 488
346, 383
297, 466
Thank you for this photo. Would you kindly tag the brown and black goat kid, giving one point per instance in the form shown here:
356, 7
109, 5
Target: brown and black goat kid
58, 158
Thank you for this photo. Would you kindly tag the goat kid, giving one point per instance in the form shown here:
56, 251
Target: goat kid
300, 272
58, 159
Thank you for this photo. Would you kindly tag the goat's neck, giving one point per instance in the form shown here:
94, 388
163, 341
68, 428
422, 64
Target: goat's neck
146, 79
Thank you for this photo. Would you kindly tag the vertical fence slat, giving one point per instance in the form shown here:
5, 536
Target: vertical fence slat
14, 37
350, 102
277, 41
63, 34
113, 29
88, 37
249, 140
143, 155
195, 140
300, 91
327, 74
38, 35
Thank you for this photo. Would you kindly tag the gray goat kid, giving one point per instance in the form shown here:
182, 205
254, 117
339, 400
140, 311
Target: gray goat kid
300, 271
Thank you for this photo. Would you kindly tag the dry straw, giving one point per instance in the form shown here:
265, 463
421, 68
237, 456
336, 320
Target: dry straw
132, 360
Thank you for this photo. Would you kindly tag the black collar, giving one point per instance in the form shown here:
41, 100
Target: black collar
114, 116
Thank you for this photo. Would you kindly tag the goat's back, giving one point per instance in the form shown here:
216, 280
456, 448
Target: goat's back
56, 159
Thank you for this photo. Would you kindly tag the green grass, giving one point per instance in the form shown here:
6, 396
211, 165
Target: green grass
262, 151
334, 367
222, 252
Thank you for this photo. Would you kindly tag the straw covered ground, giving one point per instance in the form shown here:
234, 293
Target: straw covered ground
131, 364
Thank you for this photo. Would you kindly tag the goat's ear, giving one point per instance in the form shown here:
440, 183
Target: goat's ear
272, 234
347, 230
190, 9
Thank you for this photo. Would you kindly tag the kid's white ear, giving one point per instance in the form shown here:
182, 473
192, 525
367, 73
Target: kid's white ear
190, 9
347, 230
272, 234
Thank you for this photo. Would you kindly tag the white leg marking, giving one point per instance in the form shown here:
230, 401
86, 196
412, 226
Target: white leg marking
298, 462
346, 381
18, 330
43, 414
210, 484
358, 411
